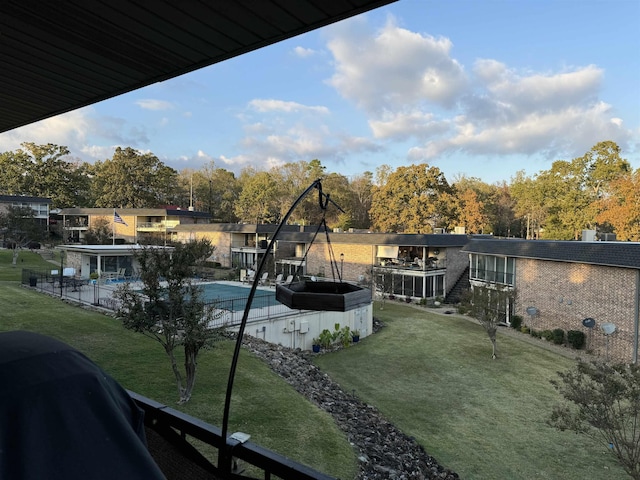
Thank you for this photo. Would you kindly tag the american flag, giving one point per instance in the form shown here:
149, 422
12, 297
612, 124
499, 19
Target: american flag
118, 219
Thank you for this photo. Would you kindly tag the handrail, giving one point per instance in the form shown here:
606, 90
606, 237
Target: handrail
158, 415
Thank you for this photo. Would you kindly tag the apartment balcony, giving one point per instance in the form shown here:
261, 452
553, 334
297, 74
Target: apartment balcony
418, 265
80, 223
157, 226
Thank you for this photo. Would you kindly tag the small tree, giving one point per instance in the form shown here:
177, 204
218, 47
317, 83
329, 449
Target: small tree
488, 305
170, 308
19, 228
603, 401
100, 233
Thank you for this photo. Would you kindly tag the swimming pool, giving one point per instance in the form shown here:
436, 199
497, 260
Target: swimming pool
234, 297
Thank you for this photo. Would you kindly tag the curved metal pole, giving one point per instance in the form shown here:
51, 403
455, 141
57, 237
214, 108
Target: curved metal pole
224, 453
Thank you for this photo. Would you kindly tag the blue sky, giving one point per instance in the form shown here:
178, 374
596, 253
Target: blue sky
482, 88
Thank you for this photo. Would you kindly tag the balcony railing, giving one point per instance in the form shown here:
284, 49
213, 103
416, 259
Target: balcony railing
158, 226
398, 264
168, 435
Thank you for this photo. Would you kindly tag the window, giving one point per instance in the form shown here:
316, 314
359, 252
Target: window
492, 269
416, 286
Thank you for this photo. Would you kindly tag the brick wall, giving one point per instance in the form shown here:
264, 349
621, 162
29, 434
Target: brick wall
358, 260
566, 293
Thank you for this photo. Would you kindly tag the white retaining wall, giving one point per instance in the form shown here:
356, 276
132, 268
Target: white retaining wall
298, 330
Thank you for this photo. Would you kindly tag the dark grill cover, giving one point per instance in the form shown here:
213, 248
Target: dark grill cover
62, 417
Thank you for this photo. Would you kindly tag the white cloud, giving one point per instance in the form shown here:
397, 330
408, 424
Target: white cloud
69, 129
538, 91
413, 90
571, 132
401, 126
154, 104
271, 105
88, 136
303, 52
394, 68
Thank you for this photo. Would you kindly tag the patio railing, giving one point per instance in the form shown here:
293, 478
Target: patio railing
167, 427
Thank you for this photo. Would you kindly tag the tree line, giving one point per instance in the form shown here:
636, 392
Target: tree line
598, 190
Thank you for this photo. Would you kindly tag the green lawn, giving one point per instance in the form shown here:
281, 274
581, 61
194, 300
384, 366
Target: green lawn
263, 405
433, 377
430, 374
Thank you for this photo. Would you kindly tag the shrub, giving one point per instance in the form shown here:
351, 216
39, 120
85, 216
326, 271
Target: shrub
516, 322
536, 333
547, 335
325, 338
576, 339
345, 336
524, 329
558, 336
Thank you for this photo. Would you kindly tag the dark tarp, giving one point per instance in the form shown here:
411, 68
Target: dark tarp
62, 417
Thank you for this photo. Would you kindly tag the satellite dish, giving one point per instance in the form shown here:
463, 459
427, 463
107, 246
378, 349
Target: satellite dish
533, 311
608, 328
589, 322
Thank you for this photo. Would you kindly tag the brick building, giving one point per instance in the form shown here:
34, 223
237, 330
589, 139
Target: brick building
141, 225
559, 284
406, 265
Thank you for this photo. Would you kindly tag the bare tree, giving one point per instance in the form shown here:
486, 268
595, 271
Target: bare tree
603, 401
170, 308
488, 304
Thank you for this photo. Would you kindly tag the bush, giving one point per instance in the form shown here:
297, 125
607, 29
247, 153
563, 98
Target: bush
516, 322
524, 329
345, 337
547, 335
535, 333
558, 336
463, 309
325, 338
576, 339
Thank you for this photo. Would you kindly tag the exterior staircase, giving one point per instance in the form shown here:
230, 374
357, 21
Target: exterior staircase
458, 290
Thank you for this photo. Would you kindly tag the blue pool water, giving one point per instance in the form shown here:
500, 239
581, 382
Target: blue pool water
234, 297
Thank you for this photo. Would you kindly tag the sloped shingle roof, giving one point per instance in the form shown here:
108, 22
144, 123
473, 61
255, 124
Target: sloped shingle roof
615, 254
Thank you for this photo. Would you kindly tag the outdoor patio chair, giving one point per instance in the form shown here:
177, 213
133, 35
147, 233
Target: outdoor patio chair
279, 279
249, 277
264, 279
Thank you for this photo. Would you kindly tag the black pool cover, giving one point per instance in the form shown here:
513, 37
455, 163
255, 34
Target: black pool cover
62, 417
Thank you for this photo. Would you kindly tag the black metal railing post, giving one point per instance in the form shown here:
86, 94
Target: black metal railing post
225, 452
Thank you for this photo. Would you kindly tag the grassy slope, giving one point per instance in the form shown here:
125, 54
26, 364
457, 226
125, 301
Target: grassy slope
263, 404
433, 377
